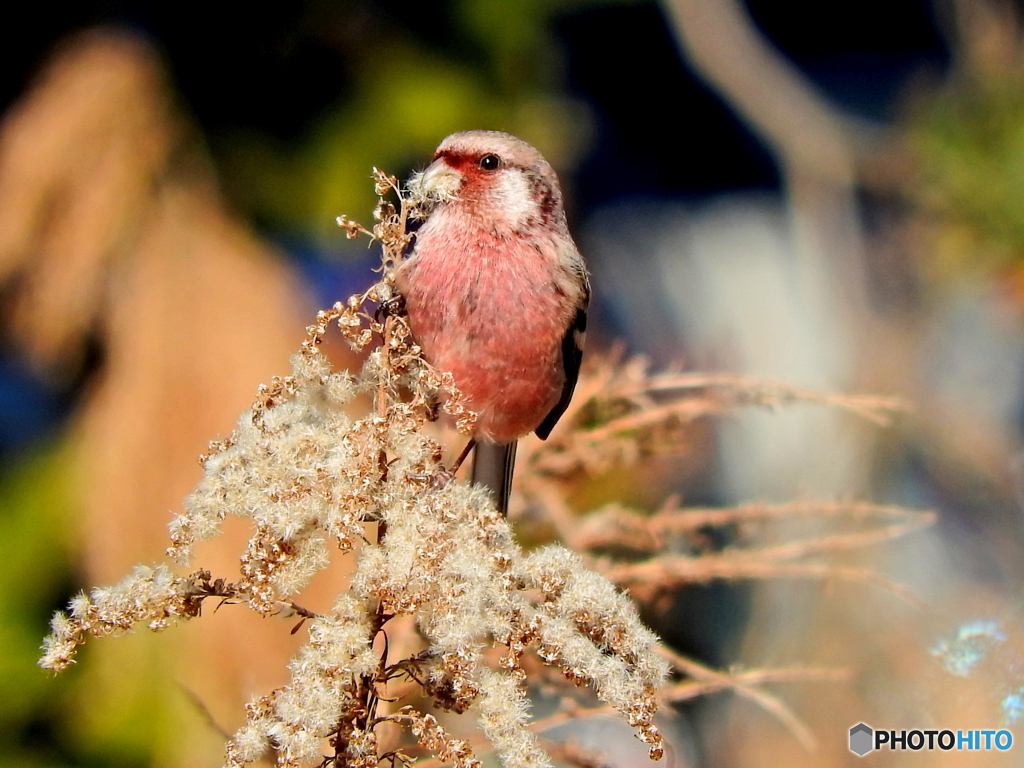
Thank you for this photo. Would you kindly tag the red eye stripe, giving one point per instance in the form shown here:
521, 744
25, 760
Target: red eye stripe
456, 160
467, 164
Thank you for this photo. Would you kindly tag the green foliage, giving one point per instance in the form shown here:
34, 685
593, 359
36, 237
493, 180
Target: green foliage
44, 719
33, 574
968, 146
408, 96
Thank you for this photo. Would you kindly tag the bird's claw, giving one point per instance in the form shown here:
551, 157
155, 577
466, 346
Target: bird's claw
441, 478
437, 479
393, 306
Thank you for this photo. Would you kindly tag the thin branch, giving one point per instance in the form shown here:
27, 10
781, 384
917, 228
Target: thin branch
839, 541
744, 685
725, 49
747, 389
661, 574
616, 526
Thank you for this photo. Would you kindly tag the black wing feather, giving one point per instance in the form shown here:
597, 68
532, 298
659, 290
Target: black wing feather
572, 356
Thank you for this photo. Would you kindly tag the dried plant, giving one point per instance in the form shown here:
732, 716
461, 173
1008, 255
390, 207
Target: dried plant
309, 476
110, 223
490, 617
623, 415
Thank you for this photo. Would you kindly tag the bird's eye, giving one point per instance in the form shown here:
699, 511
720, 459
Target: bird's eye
490, 162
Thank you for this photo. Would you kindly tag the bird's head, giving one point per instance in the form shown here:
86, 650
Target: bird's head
493, 176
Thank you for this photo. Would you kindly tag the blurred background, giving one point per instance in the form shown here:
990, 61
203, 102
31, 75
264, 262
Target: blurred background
828, 195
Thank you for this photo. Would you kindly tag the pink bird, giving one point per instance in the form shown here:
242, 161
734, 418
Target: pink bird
496, 291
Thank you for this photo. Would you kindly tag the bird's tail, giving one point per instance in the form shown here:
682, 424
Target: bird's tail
492, 468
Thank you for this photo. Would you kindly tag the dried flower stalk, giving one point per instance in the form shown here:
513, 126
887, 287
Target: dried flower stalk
311, 478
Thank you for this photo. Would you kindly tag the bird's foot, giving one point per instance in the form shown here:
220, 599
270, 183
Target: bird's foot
391, 307
437, 479
443, 475
441, 478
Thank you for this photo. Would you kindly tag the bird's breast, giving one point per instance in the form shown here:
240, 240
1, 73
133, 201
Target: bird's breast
492, 310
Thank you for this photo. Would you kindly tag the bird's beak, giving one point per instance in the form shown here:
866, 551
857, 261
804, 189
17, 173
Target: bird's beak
439, 182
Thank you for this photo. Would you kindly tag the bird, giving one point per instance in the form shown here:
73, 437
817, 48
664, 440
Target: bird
496, 292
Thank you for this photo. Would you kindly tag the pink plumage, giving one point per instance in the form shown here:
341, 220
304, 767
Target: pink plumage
495, 289
495, 282
499, 337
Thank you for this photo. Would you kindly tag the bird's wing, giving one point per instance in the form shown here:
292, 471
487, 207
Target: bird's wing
572, 356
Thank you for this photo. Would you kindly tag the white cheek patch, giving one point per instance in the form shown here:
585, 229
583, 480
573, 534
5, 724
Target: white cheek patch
513, 196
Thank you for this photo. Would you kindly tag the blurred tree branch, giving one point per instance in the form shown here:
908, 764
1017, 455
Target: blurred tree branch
770, 94
813, 142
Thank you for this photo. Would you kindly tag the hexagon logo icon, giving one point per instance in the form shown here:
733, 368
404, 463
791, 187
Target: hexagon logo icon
862, 738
